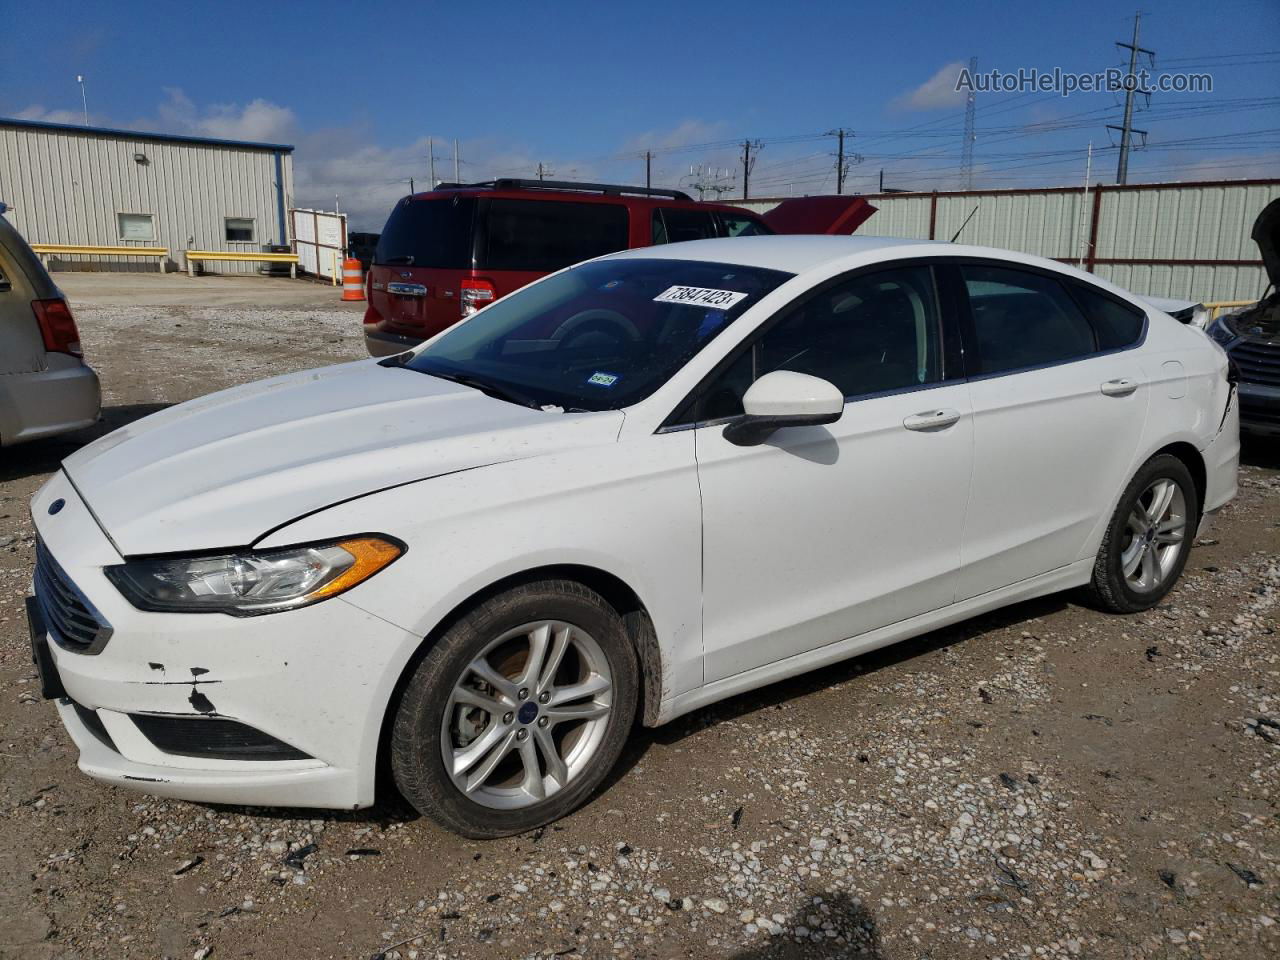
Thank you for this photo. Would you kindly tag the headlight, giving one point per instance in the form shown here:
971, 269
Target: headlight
253, 582
1221, 331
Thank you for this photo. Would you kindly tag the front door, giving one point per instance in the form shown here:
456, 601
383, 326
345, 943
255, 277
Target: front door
824, 533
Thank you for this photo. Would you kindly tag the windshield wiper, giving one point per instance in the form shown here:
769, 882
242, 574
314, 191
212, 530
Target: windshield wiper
407, 259
494, 390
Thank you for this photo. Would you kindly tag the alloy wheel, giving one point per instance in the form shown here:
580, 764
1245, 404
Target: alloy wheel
1154, 537
527, 715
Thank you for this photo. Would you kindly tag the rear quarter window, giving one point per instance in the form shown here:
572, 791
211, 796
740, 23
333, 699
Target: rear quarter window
547, 235
1117, 324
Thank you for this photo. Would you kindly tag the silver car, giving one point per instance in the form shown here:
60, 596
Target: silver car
46, 388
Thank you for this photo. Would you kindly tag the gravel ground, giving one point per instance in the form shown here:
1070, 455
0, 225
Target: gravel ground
1046, 781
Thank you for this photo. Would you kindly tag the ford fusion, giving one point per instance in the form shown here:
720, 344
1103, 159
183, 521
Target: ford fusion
626, 491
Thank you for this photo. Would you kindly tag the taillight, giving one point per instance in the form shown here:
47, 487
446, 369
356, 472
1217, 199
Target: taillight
57, 326
476, 294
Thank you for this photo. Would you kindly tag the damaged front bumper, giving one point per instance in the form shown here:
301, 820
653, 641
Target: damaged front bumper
282, 709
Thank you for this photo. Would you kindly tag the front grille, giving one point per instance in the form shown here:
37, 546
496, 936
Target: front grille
214, 738
1261, 412
71, 618
1258, 362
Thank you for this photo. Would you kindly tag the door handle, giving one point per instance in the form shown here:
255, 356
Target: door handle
1120, 387
932, 420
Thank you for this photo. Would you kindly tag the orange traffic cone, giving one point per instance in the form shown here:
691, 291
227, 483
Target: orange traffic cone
352, 280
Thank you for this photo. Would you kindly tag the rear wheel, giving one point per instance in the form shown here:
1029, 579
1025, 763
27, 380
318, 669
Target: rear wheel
518, 712
1147, 541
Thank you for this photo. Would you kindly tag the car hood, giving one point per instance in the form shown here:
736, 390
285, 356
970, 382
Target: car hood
223, 470
1266, 234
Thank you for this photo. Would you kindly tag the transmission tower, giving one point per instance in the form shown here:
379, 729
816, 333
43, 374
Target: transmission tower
1126, 130
708, 180
970, 109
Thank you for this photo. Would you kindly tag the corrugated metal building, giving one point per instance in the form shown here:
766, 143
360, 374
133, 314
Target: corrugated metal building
94, 186
1186, 240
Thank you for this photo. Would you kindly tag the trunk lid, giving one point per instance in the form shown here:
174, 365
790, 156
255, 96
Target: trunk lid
823, 215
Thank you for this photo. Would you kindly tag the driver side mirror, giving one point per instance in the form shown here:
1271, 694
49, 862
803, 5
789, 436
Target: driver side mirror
784, 398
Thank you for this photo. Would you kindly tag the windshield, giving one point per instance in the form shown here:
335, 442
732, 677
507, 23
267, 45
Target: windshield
601, 336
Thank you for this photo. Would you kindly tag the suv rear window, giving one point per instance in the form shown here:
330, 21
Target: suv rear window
428, 233
548, 235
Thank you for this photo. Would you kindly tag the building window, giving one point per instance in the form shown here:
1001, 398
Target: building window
136, 226
239, 229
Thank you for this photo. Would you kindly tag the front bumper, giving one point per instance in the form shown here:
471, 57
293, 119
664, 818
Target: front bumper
316, 679
1259, 409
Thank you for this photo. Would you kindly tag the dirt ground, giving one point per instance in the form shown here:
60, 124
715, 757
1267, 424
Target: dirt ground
1047, 781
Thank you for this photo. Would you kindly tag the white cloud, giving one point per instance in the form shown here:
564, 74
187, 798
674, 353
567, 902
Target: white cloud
37, 112
258, 120
936, 93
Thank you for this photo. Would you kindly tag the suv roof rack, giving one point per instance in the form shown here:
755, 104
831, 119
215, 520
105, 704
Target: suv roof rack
612, 189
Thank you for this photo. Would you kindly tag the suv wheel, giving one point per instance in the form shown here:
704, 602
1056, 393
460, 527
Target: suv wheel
518, 712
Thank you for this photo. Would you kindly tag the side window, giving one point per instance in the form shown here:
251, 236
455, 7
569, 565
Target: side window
740, 225
1116, 324
871, 333
1024, 319
546, 235
678, 225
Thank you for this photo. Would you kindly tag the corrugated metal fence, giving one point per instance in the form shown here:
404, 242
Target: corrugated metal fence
1186, 240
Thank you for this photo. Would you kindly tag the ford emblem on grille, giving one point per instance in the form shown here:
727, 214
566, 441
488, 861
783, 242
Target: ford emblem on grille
405, 275
57, 505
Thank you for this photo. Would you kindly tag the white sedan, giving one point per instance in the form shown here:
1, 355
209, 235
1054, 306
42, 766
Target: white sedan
633, 488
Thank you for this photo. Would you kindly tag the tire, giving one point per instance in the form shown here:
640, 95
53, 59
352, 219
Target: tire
1140, 560
476, 689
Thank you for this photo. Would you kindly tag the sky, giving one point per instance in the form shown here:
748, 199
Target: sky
585, 88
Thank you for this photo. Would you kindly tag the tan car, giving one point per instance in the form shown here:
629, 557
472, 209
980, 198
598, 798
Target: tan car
46, 388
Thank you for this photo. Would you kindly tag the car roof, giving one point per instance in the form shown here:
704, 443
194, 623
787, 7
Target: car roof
798, 254
579, 196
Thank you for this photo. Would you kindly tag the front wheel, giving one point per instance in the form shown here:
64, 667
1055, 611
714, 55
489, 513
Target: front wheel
518, 712
1148, 539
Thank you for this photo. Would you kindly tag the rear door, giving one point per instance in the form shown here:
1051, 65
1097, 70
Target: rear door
1058, 412
830, 214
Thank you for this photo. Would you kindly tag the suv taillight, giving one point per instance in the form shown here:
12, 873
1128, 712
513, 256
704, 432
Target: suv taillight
57, 326
476, 294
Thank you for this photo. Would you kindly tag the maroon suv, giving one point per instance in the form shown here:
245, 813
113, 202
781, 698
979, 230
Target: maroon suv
445, 254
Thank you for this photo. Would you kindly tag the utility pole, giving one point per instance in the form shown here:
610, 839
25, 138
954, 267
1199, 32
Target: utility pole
648, 169
840, 133
540, 176
411, 190
1127, 131
882, 179
431, 160
457, 177
970, 133
83, 99
1084, 206
747, 164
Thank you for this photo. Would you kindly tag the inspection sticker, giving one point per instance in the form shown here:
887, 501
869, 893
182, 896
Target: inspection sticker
602, 379
700, 297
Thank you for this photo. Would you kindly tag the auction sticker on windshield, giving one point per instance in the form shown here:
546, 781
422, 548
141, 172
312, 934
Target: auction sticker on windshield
700, 297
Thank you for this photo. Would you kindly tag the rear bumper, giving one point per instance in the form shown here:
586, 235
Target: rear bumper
62, 398
380, 343
1222, 462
